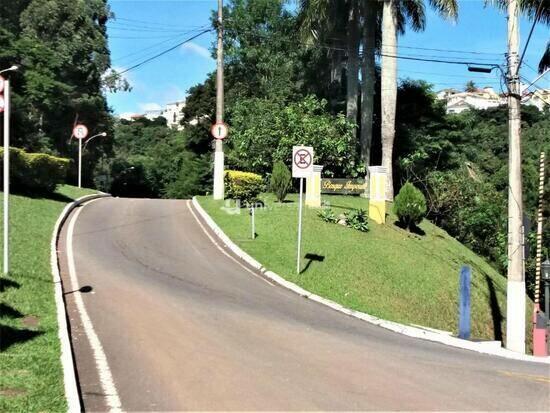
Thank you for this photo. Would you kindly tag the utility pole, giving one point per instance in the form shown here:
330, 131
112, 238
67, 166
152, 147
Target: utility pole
515, 311
218, 153
6, 238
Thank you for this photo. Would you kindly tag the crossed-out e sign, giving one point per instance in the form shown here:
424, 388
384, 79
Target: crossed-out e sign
302, 161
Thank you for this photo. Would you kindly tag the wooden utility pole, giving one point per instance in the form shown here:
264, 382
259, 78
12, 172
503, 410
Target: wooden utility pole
218, 154
515, 312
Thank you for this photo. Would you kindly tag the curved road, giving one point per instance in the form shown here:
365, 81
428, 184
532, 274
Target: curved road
185, 327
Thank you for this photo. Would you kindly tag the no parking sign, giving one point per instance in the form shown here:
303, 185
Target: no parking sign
302, 161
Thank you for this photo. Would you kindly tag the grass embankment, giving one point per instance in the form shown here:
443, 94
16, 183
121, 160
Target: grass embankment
387, 271
31, 377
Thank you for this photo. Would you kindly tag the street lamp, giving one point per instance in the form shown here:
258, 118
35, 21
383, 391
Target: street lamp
95, 136
10, 69
80, 149
5, 106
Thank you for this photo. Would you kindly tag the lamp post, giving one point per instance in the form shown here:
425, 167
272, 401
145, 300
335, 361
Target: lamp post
5, 107
80, 149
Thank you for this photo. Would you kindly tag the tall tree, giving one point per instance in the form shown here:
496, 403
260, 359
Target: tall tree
395, 15
544, 63
368, 79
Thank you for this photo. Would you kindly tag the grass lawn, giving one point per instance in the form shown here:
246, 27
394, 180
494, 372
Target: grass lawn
31, 377
386, 272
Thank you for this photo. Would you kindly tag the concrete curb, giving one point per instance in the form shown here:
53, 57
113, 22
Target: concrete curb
67, 361
416, 332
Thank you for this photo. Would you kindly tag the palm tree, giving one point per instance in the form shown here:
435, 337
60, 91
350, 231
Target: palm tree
369, 12
395, 15
324, 21
544, 63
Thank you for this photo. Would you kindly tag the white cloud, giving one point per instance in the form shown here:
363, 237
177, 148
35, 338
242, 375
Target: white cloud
146, 107
196, 49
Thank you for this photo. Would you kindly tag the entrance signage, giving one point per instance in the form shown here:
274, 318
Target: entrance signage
80, 131
302, 161
219, 130
345, 186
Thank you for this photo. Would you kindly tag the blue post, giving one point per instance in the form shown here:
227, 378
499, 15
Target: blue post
464, 305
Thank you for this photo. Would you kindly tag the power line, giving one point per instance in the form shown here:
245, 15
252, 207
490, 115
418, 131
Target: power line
163, 52
530, 33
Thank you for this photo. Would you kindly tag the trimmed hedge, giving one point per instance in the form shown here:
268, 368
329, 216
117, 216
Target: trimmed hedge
36, 172
245, 186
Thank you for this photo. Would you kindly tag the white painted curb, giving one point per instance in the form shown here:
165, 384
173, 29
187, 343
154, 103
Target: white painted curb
425, 334
67, 361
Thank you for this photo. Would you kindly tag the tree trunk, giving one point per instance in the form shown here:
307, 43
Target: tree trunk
368, 77
389, 89
352, 72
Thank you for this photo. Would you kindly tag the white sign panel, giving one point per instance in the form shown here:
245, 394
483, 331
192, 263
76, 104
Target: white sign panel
302, 161
219, 130
80, 131
2, 103
1, 84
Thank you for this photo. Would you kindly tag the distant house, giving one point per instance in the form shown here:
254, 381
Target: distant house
538, 98
457, 101
172, 114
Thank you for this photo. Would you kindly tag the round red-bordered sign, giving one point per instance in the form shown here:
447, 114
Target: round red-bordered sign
303, 159
80, 131
219, 130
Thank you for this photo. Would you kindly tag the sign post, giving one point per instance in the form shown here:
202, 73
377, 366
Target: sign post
80, 132
302, 167
5, 107
464, 303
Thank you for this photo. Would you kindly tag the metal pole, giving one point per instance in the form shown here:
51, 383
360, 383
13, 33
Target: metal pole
515, 317
539, 233
547, 301
79, 163
6, 267
218, 153
299, 253
539, 331
253, 223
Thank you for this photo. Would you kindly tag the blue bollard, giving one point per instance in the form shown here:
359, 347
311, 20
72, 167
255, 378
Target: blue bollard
464, 303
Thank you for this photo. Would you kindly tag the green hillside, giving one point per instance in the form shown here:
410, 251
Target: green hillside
31, 378
386, 272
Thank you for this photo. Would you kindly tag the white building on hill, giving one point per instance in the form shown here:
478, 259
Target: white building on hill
458, 101
171, 112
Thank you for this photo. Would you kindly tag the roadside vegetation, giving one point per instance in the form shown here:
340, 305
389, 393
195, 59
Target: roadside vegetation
387, 271
31, 377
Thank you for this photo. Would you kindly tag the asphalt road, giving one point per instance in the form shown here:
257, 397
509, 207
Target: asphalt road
185, 327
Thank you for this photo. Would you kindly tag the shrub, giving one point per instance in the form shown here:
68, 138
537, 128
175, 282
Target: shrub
36, 172
327, 215
410, 206
357, 219
245, 186
280, 180
470, 209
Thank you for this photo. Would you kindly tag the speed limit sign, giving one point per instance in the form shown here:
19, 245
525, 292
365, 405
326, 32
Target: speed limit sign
80, 131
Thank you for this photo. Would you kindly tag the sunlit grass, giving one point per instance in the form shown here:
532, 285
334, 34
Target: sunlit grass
30, 369
387, 271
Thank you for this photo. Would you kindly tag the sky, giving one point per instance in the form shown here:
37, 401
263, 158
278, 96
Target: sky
144, 28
